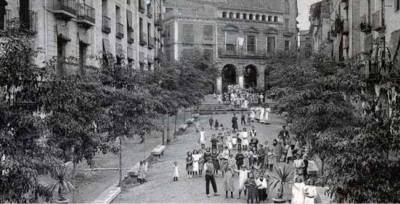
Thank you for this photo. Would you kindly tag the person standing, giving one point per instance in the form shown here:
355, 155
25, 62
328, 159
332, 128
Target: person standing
251, 189
261, 156
284, 134
196, 158
235, 122
189, 164
228, 181
262, 186
239, 159
214, 142
243, 119
215, 160
216, 124
202, 138
243, 175
176, 171
211, 122
209, 169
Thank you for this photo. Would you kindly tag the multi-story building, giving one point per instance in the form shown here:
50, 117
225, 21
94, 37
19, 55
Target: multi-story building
305, 43
88, 29
320, 28
239, 36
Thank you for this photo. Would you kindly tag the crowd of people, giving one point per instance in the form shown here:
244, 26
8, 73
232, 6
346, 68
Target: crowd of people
240, 97
229, 151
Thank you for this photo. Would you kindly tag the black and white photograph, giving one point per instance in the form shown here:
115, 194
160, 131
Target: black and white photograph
200, 101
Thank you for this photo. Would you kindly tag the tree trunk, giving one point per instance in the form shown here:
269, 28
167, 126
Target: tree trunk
163, 130
168, 138
120, 161
176, 118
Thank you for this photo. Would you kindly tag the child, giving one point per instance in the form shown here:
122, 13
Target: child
196, 157
228, 181
245, 138
289, 156
214, 142
243, 175
211, 122
176, 171
243, 119
215, 161
216, 124
141, 173
189, 164
251, 189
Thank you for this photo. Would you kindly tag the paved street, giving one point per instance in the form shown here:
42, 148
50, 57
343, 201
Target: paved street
161, 188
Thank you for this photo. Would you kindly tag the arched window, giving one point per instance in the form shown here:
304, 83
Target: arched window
275, 18
269, 18
245, 16
224, 14
250, 16
237, 15
257, 17
230, 15
263, 18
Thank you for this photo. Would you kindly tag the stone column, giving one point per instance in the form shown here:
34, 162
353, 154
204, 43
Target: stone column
219, 85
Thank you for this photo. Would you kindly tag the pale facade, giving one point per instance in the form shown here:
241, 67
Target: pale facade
241, 36
86, 29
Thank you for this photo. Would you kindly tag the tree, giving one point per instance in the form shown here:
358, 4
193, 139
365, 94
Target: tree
23, 155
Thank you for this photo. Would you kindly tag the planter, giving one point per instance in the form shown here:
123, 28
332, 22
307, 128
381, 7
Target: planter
279, 200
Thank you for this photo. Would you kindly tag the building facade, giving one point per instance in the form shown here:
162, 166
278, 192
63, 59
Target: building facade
239, 36
87, 29
320, 28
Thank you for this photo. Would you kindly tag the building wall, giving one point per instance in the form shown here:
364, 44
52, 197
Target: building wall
47, 22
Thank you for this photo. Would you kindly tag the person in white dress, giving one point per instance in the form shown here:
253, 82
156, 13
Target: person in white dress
202, 137
229, 142
310, 193
298, 191
196, 158
176, 171
262, 115
243, 175
245, 138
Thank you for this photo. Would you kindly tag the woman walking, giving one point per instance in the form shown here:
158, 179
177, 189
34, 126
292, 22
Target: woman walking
228, 181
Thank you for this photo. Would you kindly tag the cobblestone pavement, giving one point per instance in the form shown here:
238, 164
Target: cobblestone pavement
160, 188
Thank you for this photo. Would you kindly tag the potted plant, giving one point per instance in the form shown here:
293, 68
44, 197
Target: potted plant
283, 175
61, 186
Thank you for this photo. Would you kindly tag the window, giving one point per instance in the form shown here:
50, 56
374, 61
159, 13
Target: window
269, 18
287, 45
237, 15
257, 17
397, 5
224, 14
275, 18
208, 32
230, 42
250, 16
251, 44
287, 24
230, 15
149, 38
188, 34
104, 7
270, 44
118, 14
82, 57
245, 16
263, 18
24, 14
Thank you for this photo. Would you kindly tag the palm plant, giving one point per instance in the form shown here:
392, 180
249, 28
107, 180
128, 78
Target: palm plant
282, 177
61, 186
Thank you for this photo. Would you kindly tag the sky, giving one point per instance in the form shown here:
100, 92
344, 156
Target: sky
304, 10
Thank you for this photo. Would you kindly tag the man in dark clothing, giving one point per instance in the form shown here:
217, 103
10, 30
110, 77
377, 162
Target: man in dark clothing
239, 159
209, 168
254, 143
214, 142
207, 154
305, 167
243, 119
261, 156
211, 122
284, 135
234, 122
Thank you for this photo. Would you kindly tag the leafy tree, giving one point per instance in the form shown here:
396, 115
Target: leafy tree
23, 156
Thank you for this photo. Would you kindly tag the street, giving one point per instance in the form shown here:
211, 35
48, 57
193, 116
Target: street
160, 187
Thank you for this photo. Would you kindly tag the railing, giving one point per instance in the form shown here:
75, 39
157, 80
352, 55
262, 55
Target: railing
27, 22
70, 6
120, 31
106, 24
86, 12
378, 21
222, 53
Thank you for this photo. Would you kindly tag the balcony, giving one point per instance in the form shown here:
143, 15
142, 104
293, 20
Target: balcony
65, 9
106, 25
151, 43
27, 22
365, 27
119, 31
142, 40
86, 15
346, 27
222, 53
378, 23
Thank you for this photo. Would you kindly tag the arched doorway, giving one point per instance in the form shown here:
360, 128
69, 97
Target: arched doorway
228, 76
250, 77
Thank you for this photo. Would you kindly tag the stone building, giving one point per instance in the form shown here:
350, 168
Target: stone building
320, 28
305, 43
86, 29
239, 36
